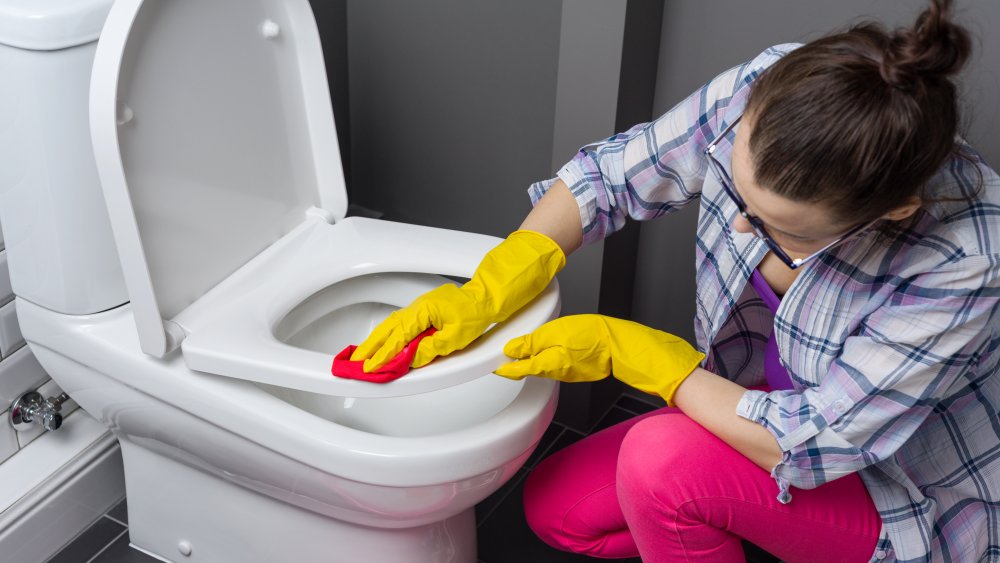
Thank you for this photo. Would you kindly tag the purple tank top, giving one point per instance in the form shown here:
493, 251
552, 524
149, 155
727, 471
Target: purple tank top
775, 373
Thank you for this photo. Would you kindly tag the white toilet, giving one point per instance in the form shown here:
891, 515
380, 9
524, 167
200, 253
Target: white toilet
193, 298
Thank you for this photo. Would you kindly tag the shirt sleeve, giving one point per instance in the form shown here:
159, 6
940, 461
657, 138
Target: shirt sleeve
653, 168
907, 356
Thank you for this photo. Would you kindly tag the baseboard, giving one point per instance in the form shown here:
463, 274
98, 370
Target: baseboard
54, 513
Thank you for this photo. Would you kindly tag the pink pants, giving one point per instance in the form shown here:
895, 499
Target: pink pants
661, 486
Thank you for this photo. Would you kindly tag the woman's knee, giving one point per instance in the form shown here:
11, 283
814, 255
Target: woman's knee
658, 459
570, 500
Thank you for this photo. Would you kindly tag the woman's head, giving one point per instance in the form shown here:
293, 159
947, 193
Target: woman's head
858, 122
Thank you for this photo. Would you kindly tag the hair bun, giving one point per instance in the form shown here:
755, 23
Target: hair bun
934, 48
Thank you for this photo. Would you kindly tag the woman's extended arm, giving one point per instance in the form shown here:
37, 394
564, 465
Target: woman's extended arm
557, 216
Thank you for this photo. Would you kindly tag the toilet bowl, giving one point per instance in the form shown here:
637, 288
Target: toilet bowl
221, 469
217, 156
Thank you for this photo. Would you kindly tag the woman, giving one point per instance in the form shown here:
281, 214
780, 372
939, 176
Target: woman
843, 404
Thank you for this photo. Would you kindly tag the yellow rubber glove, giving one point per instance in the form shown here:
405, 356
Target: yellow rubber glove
509, 276
591, 347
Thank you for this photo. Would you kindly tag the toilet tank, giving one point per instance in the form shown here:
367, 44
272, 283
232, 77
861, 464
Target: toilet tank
57, 235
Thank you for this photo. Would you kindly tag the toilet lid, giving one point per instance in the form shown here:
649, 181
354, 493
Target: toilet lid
214, 137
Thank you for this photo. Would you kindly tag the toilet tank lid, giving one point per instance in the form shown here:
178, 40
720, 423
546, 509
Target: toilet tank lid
51, 24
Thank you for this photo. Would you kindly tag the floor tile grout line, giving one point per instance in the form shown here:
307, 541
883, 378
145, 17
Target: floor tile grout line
115, 520
634, 414
640, 399
542, 453
74, 538
110, 543
497, 505
590, 430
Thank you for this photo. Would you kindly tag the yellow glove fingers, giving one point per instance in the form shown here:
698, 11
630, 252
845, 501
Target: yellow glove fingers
394, 334
441, 343
511, 371
375, 340
552, 363
559, 332
393, 345
518, 348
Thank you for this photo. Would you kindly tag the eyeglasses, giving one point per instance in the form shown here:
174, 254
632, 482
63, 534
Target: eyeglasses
758, 226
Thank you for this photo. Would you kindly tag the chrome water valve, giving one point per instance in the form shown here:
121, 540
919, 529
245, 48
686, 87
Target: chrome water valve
31, 408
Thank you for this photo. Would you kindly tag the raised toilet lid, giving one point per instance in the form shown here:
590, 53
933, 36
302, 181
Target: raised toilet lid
214, 138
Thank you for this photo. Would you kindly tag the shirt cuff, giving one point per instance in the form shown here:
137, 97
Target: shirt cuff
585, 197
753, 406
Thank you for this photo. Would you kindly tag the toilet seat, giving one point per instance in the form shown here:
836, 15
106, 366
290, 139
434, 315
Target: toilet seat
231, 329
218, 157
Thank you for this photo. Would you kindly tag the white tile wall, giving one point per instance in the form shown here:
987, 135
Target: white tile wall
8, 438
20, 372
6, 293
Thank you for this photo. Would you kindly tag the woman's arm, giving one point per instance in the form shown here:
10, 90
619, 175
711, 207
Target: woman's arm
557, 216
710, 400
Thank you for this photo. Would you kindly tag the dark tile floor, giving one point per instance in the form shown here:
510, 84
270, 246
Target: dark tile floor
503, 535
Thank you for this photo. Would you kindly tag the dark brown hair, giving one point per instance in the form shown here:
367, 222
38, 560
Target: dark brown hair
862, 119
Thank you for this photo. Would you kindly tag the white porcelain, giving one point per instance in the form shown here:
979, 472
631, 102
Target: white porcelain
51, 25
8, 438
241, 328
206, 161
220, 186
57, 234
412, 463
10, 332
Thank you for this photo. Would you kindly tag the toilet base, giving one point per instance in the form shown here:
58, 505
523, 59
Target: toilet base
180, 514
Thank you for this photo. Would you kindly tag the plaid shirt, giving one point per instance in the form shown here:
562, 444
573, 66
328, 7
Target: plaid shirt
891, 340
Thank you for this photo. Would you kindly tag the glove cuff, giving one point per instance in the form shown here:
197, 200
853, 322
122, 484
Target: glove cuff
549, 252
514, 273
668, 391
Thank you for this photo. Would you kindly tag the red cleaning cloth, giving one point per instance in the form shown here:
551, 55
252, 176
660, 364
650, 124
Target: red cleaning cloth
396, 368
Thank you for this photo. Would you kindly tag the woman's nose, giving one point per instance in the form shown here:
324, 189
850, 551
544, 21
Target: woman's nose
741, 225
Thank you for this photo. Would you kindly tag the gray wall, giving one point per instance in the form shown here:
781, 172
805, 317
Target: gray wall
451, 108
701, 39
457, 106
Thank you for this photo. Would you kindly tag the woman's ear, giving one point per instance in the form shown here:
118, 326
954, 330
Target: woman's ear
904, 211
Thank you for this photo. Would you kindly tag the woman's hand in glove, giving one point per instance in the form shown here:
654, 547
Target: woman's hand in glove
508, 278
591, 347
